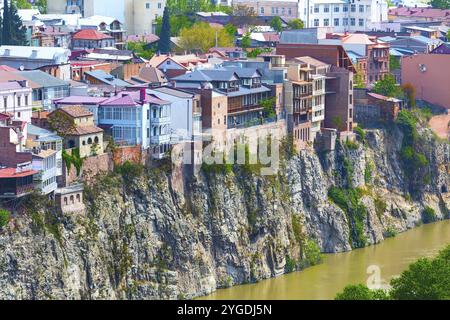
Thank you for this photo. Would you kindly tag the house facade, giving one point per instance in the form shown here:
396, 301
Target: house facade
80, 131
16, 99
91, 39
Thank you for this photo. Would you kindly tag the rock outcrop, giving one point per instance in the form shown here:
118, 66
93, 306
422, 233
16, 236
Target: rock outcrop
145, 237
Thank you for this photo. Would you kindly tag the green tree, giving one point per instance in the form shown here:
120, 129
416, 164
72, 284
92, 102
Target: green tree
440, 4
164, 38
277, 24
448, 35
141, 49
230, 29
18, 33
4, 217
361, 292
201, 36
296, 24
410, 94
6, 26
394, 63
23, 4
388, 87
426, 279
246, 41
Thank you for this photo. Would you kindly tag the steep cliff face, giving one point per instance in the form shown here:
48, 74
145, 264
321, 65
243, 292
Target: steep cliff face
145, 237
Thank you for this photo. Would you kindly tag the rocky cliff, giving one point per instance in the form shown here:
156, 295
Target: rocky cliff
146, 235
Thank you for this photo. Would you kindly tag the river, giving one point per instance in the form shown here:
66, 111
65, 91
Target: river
387, 259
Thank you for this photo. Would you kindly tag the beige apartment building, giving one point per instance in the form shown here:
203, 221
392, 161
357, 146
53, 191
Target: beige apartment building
286, 9
138, 16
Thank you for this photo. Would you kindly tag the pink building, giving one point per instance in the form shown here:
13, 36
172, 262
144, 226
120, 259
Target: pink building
430, 75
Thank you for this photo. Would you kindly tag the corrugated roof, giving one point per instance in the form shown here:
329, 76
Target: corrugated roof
15, 173
43, 79
107, 78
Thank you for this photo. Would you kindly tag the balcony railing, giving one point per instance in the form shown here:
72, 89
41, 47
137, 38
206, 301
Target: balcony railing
160, 120
160, 139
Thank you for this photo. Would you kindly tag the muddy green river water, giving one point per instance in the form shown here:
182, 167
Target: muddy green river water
376, 264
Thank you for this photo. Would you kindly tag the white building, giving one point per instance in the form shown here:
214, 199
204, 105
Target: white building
138, 15
186, 114
44, 162
32, 58
343, 15
16, 99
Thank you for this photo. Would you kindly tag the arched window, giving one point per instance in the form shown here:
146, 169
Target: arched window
78, 198
84, 142
96, 139
65, 201
71, 144
90, 141
72, 200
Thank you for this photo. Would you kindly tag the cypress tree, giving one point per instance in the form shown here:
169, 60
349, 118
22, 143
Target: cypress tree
18, 31
6, 30
164, 38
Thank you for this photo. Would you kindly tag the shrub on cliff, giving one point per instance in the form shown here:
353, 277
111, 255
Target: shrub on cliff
4, 217
428, 215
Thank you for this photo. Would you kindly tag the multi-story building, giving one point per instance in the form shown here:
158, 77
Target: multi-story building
52, 60
16, 172
372, 56
44, 86
138, 118
138, 15
241, 86
16, 99
91, 39
80, 130
186, 113
343, 15
107, 25
287, 9
44, 162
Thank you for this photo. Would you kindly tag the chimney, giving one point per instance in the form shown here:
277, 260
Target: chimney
143, 94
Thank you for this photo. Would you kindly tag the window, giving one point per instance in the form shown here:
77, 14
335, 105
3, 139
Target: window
282, 11
326, 8
326, 22
345, 21
147, 5
361, 8
353, 8
273, 10
352, 21
159, 5
316, 22
361, 22
345, 8
316, 8
262, 10
290, 11
336, 8
336, 22
350, 98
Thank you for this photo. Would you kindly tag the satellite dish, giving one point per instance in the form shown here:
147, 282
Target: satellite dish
21, 68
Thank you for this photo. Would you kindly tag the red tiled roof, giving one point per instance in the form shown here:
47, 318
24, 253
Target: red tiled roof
11, 173
76, 111
90, 35
83, 130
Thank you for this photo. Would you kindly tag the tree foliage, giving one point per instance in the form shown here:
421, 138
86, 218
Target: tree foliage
388, 87
177, 22
394, 63
296, 24
440, 4
13, 32
410, 94
361, 292
141, 49
276, 24
246, 41
4, 217
201, 36
164, 38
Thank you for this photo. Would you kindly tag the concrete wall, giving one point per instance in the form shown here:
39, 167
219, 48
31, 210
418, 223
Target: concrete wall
430, 75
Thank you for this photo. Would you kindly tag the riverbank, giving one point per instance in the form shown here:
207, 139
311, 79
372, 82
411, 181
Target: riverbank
322, 282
